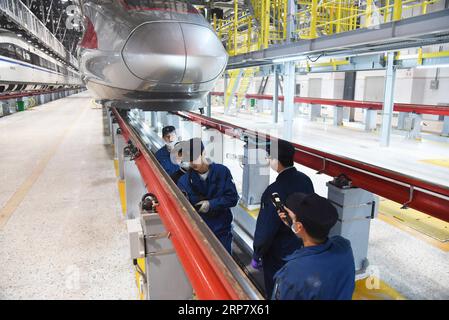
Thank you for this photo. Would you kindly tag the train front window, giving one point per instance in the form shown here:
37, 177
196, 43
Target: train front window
159, 5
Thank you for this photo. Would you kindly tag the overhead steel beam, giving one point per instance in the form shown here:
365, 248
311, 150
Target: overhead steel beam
428, 29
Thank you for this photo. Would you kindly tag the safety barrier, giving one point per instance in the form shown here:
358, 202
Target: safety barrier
372, 105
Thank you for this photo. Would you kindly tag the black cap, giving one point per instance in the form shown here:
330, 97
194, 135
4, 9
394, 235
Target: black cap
167, 130
191, 149
283, 151
317, 214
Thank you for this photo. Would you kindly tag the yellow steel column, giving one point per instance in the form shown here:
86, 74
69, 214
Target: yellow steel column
313, 20
424, 7
339, 4
285, 8
236, 20
266, 19
250, 31
386, 11
397, 12
368, 13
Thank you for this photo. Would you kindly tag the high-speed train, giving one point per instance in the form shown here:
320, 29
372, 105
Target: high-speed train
23, 67
149, 54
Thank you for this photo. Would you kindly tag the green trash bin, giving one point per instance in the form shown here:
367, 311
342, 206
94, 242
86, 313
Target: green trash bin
253, 103
20, 106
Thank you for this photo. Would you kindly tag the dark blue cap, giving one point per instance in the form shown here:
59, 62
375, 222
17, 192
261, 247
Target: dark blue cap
317, 214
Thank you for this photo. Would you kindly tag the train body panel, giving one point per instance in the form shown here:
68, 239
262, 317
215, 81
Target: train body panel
151, 54
25, 68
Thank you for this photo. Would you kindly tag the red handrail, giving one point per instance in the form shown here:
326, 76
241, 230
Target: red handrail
209, 277
425, 196
372, 105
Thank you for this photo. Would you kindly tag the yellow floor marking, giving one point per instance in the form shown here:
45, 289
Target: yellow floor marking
373, 288
398, 224
117, 173
122, 192
16, 199
253, 213
140, 290
437, 162
428, 225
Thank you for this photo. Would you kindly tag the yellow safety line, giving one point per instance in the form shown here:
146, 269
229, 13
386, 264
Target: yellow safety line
122, 191
16, 199
253, 213
421, 222
373, 288
437, 162
396, 223
117, 173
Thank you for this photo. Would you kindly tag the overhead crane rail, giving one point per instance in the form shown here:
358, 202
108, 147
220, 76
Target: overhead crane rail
212, 272
424, 196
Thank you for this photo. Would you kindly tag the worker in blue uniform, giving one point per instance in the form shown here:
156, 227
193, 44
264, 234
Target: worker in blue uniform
210, 189
273, 241
323, 269
164, 154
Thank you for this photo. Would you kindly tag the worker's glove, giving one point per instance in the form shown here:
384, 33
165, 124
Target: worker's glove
185, 166
256, 264
203, 206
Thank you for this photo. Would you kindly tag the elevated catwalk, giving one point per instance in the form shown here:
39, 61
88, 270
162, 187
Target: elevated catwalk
62, 235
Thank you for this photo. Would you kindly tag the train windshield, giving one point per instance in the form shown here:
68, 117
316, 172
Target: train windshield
159, 5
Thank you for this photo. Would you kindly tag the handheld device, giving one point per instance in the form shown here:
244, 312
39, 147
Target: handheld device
276, 199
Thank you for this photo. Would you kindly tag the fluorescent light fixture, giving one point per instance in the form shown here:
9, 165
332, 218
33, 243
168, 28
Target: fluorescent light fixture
433, 66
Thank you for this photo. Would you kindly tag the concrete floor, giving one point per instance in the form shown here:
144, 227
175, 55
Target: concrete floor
65, 238
414, 268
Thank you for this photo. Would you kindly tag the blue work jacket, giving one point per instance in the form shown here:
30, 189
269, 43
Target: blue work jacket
219, 189
272, 237
322, 272
273, 240
163, 156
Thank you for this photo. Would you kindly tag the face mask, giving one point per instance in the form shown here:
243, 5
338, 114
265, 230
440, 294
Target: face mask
185, 165
171, 145
293, 228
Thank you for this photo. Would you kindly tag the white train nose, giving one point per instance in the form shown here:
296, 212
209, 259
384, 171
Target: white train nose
174, 52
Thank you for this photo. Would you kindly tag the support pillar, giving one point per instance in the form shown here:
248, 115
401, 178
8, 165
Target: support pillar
416, 121
387, 114
370, 120
256, 172
315, 111
445, 131
119, 145
164, 276
209, 105
275, 107
356, 207
134, 187
338, 116
289, 101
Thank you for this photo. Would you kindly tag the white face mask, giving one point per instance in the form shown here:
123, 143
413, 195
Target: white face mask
293, 228
171, 145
